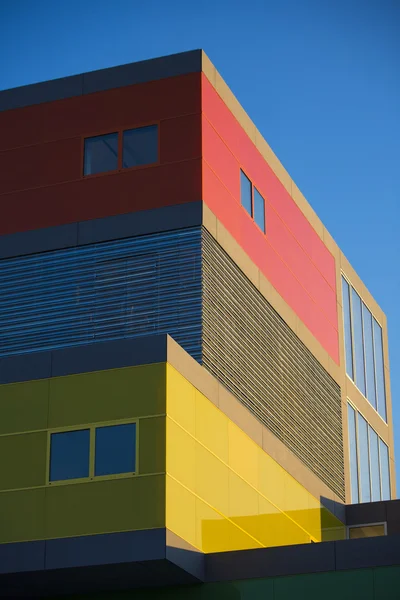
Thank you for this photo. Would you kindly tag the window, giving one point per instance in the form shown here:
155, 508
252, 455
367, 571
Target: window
353, 455
245, 193
363, 454
385, 476
259, 210
71, 452
101, 154
69, 455
252, 201
364, 531
363, 349
140, 146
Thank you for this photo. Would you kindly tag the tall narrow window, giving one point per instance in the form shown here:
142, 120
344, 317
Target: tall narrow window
363, 453
101, 154
259, 210
380, 373
385, 474
375, 471
353, 454
245, 193
347, 328
358, 341
369, 355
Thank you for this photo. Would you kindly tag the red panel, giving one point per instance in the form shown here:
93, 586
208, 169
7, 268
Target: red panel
220, 159
101, 196
180, 138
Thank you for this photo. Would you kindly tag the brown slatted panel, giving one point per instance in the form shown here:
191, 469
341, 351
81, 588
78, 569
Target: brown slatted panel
250, 349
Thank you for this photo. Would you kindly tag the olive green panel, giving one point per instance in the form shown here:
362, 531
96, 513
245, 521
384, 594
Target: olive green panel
152, 445
22, 515
343, 585
23, 460
24, 406
387, 583
105, 506
107, 395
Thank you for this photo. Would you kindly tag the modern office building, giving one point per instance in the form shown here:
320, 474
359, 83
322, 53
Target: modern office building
194, 382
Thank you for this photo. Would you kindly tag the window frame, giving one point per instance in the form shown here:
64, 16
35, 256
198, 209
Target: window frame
252, 204
92, 449
348, 527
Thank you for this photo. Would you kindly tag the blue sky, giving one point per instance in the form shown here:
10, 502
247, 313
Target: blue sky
320, 78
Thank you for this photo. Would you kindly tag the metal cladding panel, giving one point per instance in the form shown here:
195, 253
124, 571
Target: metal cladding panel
128, 288
250, 349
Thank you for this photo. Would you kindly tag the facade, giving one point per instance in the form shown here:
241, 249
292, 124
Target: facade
193, 378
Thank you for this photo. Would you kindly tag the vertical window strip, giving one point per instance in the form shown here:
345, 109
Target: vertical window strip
384, 468
379, 370
358, 341
363, 454
348, 338
374, 465
369, 355
353, 454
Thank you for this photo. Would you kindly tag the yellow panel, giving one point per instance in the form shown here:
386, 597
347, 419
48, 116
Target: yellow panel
211, 427
276, 529
271, 479
296, 503
212, 480
152, 445
181, 513
23, 462
243, 455
22, 515
180, 400
24, 406
181, 455
243, 499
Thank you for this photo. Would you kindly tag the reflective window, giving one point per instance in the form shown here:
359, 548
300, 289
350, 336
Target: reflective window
245, 193
347, 328
259, 210
365, 531
385, 476
363, 454
140, 146
369, 355
115, 450
101, 154
380, 373
374, 466
353, 454
69, 455
358, 341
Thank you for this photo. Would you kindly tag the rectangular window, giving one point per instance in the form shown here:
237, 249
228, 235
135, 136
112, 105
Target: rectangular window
353, 454
375, 471
101, 154
380, 372
363, 454
140, 146
347, 328
69, 455
259, 210
364, 531
369, 355
358, 341
245, 193
115, 449
385, 475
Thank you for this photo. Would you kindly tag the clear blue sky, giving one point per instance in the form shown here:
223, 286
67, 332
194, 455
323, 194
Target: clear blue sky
320, 78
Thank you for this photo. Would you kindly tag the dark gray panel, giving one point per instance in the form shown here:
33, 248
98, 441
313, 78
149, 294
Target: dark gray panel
38, 240
109, 355
140, 72
370, 512
367, 552
105, 549
46, 91
140, 223
23, 556
25, 367
392, 510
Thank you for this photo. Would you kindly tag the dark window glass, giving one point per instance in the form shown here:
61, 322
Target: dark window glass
369, 355
385, 477
375, 475
140, 146
245, 193
379, 370
363, 453
69, 455
358, 341
101, 154
364, 531
259, 210
115, 449
347, 328
353, 455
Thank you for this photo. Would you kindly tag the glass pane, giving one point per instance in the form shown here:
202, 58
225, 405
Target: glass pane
245, 192
259, 210
347, 328
140, 146
369, 355
353, 455
374, 457
379, 370
385, 477
364, 459
101, 154
115, 449
358, 341
69, 455
356, 533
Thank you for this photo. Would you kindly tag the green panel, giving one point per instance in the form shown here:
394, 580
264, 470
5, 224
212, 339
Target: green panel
105, 506
107, 395
152, 445
24, 406
339, 585
386, 583
25, 464
22, 515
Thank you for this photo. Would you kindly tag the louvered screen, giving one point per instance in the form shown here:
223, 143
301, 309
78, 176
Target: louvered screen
122, 289
258, 358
